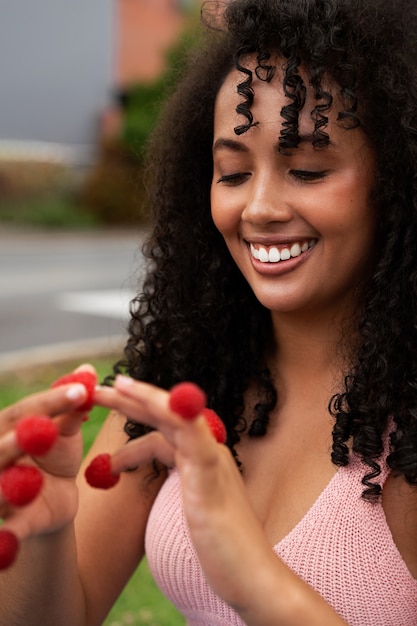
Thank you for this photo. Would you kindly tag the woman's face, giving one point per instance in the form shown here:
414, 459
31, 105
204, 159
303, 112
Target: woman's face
301, 228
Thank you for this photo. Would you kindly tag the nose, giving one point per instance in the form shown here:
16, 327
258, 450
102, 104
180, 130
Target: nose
268, 201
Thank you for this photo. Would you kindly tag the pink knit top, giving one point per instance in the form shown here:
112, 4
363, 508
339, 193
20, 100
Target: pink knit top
343, 547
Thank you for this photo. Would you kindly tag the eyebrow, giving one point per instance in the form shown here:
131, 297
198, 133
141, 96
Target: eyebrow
229, 144
223, 143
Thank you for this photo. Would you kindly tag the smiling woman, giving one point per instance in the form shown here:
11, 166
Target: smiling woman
282, 281
293, 214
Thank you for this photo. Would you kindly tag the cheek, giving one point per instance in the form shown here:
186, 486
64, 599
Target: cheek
222, 213
347, 209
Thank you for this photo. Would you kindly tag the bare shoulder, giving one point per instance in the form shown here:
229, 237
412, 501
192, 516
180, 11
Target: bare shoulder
399, 500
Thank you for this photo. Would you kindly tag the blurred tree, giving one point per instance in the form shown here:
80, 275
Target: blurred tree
113, 191
141, 103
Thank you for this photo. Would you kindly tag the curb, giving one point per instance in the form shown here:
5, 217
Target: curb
61, 352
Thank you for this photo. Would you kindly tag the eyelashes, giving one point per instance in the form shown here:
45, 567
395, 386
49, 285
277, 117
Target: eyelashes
308, 175
303, 175
234, 179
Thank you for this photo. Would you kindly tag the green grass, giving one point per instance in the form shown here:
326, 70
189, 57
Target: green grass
141, 603
47, 211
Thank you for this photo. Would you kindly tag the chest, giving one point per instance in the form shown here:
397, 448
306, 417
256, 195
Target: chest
286, 478
342, 548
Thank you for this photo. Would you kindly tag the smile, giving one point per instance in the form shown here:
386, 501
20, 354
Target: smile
275, 254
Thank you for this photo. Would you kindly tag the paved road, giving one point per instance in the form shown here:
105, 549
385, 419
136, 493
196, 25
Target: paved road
62, 292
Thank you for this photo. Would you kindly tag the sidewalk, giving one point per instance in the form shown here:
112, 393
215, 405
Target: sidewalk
38, 269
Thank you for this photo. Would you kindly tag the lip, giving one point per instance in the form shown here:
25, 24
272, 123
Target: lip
265, 240
283, 266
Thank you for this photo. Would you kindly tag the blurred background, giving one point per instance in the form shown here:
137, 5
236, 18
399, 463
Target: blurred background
81, 87
81, 84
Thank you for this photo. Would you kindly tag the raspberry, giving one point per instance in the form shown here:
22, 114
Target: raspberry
216, 425
187, 400
98, 474
9, 546
88, 379
36, 434
20, 484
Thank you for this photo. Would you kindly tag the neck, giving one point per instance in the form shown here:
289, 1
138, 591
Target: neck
307, 347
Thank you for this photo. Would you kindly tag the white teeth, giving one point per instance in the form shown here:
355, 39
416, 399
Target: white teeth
263, 255
254, 252
274, 255
295, 250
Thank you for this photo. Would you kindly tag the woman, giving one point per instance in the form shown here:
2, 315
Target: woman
282, 280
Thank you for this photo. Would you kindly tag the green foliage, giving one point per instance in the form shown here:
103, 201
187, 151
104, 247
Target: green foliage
52, 210
142, 102
141, 109
114, 191
40, 193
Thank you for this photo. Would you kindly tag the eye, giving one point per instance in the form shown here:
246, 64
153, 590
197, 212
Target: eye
234, 179
308, 175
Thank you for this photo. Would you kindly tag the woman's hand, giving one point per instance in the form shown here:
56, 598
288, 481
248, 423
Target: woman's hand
226, 534
56, 504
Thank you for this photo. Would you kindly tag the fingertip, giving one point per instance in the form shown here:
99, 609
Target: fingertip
85, 367
76, 393
123, 382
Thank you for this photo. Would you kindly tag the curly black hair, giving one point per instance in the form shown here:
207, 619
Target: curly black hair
196, 317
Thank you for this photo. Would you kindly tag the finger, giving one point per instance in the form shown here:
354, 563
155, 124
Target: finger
50, 402
20, 484
69, 424
9, 449
9, 548
109, 398
18, 522
150, 405
153, 402
151, 398
85, 367
195, 444
5, 509
153, 413
15, 529
153, 446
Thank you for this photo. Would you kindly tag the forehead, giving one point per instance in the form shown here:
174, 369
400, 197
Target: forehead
269, 99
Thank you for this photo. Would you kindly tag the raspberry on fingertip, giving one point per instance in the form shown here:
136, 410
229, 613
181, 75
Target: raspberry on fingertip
86, 378
216, 425
9, 547
99, 473
20, 484
187, 400
36, 434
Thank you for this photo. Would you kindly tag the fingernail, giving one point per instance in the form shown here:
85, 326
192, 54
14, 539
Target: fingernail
123, 381
9, 439
76, 392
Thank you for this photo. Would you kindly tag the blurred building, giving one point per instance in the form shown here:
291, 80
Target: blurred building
62, 61
143, 32
144, 29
